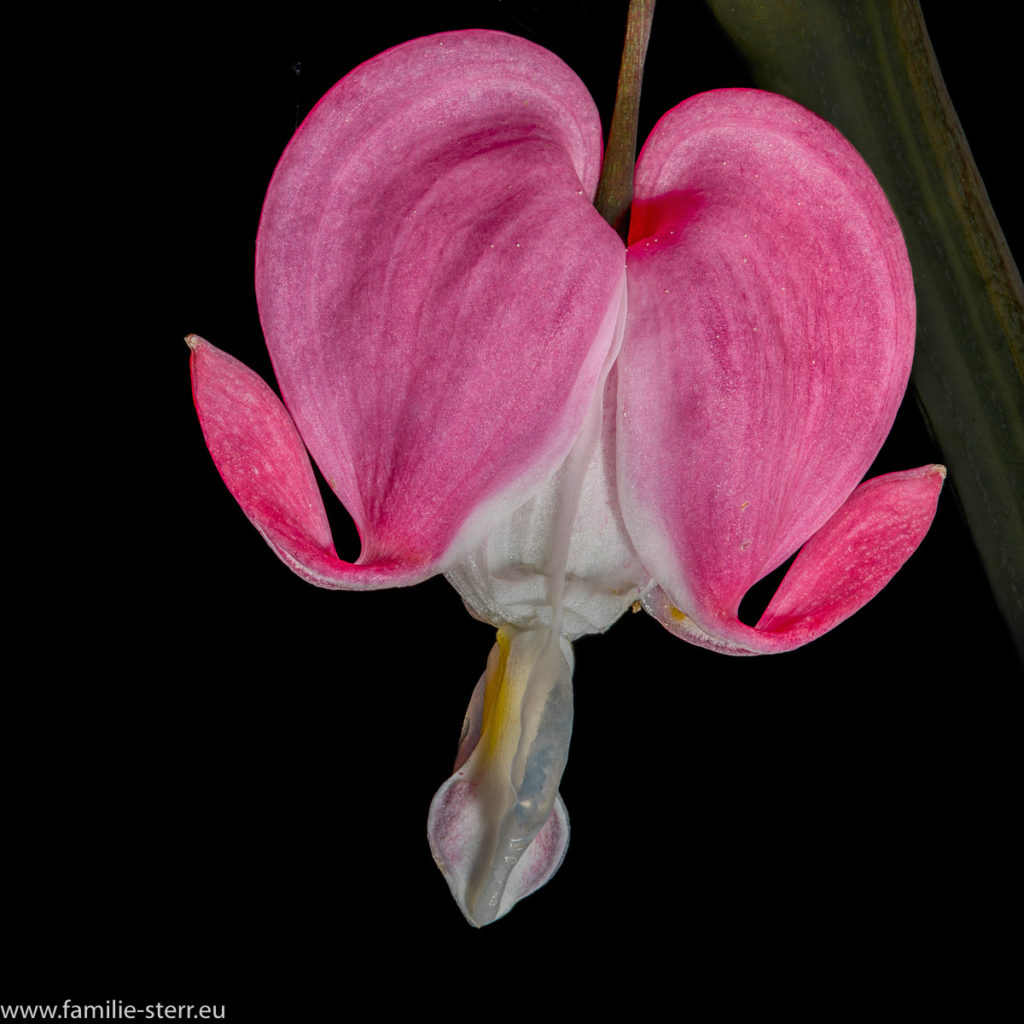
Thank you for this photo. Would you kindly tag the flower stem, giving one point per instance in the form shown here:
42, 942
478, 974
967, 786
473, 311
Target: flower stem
615, 190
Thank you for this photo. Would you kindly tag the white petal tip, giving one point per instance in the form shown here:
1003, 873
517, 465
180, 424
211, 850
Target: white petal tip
488, 873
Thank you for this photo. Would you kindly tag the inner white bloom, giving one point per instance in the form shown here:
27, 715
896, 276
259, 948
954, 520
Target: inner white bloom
558, 568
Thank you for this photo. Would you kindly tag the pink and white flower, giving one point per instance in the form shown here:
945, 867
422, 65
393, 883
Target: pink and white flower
498, 389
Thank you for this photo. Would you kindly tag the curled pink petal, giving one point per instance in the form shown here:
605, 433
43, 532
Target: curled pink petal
438, 294
260, 456
768, 345
845, 564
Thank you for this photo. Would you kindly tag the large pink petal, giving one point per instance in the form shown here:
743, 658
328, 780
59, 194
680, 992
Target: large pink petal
769, 340
845, 564
437, 291
261, 458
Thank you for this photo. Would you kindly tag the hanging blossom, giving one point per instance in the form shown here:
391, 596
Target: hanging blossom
500, 390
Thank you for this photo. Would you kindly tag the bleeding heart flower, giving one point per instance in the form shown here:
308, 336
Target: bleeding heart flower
498, 389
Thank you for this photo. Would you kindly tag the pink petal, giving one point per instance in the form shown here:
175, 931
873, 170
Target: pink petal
261, 458
845, 564
437, 292
769, 340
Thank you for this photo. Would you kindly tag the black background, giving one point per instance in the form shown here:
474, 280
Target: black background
219, 776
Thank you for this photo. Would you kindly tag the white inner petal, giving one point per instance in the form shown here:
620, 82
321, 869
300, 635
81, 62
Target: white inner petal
561, 560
